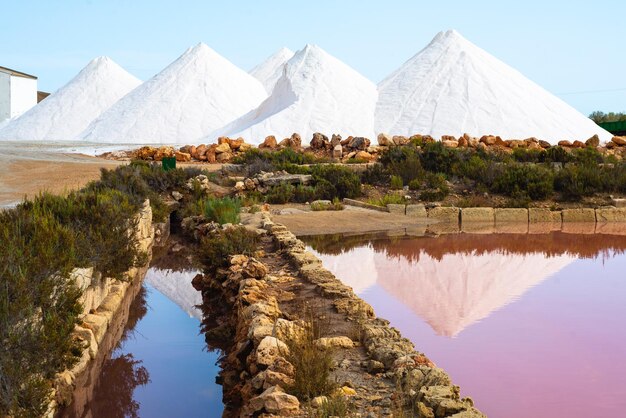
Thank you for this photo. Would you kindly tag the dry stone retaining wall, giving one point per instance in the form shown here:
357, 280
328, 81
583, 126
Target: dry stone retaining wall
101, 298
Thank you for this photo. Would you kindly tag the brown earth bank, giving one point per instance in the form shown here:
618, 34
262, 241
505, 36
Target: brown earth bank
28, 173
266, 302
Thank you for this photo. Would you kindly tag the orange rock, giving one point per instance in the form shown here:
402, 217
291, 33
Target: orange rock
619, 140
565, 144
269, 142
235, 143
182, 156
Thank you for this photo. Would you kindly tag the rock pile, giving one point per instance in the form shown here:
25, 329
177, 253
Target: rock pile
358, 148
262, 181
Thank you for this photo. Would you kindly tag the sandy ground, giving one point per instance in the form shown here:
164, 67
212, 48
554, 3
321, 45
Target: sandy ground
29, 168
350, 220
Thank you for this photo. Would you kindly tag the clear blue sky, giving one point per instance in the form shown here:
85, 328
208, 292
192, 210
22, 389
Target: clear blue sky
574, 49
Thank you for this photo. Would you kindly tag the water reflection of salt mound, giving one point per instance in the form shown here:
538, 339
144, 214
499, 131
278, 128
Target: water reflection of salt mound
461, 289
449, 293
355, 267
176, 286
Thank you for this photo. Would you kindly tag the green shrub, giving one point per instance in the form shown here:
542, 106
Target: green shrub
576, 181
514, 179
404, 162
390, 198
100, 220
312, 364
38, 308
277, 159
415, 184
525, 155
215, 249
396, 182
438, 159
435, 195
303, 194
336, 181
280, 194
375, 174
223, 211
556, 154
334, 205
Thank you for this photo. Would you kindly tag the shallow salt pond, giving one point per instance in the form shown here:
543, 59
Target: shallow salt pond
161, 367
527, 325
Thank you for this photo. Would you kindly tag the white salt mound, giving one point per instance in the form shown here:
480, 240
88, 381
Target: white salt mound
269, 71
453, 87
68, 111
196, 94
316, 93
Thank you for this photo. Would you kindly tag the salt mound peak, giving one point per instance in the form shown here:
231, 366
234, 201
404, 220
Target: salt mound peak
68, 111
452, 87
196, 94
269, 71
316, 93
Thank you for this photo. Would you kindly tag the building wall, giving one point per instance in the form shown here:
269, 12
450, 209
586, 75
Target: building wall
5, 96
23, 95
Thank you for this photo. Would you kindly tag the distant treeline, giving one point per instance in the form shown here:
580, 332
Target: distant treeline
601, 117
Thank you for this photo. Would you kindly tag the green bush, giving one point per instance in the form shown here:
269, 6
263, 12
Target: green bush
525, 155
223, 211
396, 182
303, 194
38, 308
534, 180
387, 199
334, 205
556, 154
576, 181
215, 249
100, 220
336, 181
312, 364
415, 184
438, 159
375, 174
280, 194
404, 162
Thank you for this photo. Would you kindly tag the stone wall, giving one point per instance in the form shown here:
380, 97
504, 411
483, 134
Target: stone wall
102, 299
425, 385
488, 215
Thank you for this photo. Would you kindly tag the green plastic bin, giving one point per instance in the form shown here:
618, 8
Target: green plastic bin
168, 163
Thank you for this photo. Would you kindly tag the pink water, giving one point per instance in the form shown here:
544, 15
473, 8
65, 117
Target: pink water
527, 325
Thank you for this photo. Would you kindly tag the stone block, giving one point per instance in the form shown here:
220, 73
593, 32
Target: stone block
579, 215
416, 211
611, 214
536, 215
444, 214
396, 208
484, 215
519, 215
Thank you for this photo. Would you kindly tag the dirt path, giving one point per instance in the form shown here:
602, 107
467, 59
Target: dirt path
350, 220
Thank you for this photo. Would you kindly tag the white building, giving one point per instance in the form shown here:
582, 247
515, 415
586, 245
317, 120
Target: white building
18, 93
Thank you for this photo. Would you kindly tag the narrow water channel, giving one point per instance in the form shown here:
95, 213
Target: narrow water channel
528, 325
161, 366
